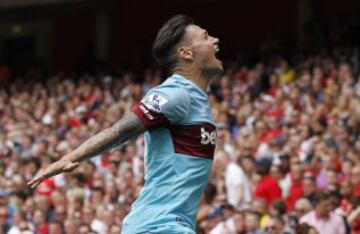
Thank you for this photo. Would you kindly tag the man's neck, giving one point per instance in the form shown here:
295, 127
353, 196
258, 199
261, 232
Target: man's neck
195, 76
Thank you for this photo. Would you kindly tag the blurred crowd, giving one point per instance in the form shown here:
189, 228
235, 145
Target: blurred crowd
287, 158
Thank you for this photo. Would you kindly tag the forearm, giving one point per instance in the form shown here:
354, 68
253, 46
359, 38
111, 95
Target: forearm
240, 194
125, 129
122, 131
353, 215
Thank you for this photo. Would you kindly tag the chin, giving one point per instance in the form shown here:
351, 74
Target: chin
219, 64
213, 71
221, 67
213, 68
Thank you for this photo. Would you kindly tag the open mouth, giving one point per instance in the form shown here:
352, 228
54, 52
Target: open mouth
216, 52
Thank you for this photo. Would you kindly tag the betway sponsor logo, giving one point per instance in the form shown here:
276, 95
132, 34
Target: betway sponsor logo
208, 137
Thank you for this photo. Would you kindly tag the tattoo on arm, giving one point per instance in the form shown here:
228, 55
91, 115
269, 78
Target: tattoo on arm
123, 130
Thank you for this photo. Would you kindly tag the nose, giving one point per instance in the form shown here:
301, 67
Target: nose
216, 40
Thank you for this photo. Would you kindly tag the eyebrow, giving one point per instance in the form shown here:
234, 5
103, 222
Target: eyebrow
205, 33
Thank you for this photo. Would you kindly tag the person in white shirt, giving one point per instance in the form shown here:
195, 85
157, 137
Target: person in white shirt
238, 188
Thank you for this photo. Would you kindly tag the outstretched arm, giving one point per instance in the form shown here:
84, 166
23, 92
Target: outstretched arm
123, 130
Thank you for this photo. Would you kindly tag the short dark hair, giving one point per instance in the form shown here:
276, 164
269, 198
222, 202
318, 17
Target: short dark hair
253, 213
263, 166
166, 39
277, 218
321, 196
280, 206
210, 193
303, 228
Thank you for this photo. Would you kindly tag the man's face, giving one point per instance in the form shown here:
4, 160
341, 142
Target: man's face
355, 176
60, 213
3, 201
272, 227
300, 210
55, 228
296, 171
252, 222
3, 215
331, 177
70, 226
323, 208
87, 215
239, 220
308, 186
258, 206
203, 48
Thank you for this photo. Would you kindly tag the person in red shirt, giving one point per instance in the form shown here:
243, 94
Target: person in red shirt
40, 223
296, 189
355, 180
46, 188
274, 130
267, 188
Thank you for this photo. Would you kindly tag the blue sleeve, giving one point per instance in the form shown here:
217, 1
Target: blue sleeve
162, 106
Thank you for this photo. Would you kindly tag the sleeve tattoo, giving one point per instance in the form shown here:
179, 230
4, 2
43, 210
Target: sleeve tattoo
125, 129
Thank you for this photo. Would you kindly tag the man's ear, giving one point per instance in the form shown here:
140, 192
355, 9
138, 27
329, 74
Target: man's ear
185, 53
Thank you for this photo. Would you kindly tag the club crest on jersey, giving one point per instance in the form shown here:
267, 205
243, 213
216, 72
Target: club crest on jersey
207, 137
154, 102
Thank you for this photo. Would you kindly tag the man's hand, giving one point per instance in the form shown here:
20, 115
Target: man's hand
54, 169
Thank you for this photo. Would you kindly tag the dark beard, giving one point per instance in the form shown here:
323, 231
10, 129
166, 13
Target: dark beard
211, 71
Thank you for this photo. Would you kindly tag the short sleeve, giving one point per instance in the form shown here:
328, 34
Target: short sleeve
163, 106
235, 176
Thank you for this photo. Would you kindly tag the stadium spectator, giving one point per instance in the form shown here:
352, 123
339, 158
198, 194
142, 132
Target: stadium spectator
252, 222
267, 188
298, 136
275, 225
322, 218
238, 190
305, 229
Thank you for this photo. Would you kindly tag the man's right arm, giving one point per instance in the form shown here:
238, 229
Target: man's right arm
123, 130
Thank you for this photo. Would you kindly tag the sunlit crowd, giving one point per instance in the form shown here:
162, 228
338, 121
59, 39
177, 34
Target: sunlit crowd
287, 156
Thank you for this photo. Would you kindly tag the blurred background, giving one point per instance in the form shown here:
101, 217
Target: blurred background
64, 34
